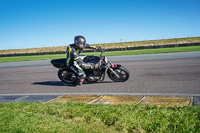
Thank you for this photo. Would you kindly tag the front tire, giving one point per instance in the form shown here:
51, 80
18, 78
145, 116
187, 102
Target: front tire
122, 72
67, 76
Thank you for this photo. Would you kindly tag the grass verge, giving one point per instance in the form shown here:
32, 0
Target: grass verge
86, 118
173, 41
109, 53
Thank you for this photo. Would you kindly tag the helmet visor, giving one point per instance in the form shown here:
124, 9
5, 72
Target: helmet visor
81, 44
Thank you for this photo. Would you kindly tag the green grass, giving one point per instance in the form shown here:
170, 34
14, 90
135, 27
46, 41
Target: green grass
109, 53
173, 41
31, 58
154, 51
86, 118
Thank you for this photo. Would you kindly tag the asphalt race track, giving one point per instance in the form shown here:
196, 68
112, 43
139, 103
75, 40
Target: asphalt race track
176, 74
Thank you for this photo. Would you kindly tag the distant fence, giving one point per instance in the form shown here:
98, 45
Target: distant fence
113, 49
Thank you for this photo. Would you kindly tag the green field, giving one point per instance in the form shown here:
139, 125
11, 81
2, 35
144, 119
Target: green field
109, 53
174, 41
86, 118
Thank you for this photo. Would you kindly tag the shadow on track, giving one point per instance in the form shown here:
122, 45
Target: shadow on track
60, 83
52, 83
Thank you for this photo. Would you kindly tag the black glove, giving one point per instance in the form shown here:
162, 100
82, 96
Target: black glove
98, 47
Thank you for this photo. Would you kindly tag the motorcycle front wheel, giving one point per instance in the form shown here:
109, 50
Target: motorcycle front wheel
67, 77
122, 72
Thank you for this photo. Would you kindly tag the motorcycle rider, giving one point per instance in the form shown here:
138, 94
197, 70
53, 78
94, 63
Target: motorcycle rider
74, 59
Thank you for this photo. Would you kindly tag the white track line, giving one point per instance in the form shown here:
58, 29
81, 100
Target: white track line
137, 94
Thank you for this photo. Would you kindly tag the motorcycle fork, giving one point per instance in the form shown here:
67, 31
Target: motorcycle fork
112, 69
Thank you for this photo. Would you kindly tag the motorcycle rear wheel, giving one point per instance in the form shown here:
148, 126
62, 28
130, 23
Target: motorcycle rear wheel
67, 77
122, 72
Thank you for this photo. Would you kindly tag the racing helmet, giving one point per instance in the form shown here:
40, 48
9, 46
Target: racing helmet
80, 42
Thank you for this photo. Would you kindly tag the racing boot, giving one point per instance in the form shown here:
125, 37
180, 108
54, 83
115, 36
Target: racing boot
80, 82
80, 79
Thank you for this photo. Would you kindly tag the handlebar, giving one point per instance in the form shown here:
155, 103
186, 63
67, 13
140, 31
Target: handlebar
102, 50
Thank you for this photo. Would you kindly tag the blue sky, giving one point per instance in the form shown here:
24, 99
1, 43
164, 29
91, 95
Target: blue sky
48, 23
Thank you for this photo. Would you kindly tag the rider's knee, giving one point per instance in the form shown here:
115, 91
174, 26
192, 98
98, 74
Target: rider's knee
83, 76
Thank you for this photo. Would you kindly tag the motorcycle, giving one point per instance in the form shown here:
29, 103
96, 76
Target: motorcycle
116, 72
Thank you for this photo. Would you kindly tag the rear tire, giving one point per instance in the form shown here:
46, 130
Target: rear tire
67, 76
122, 72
